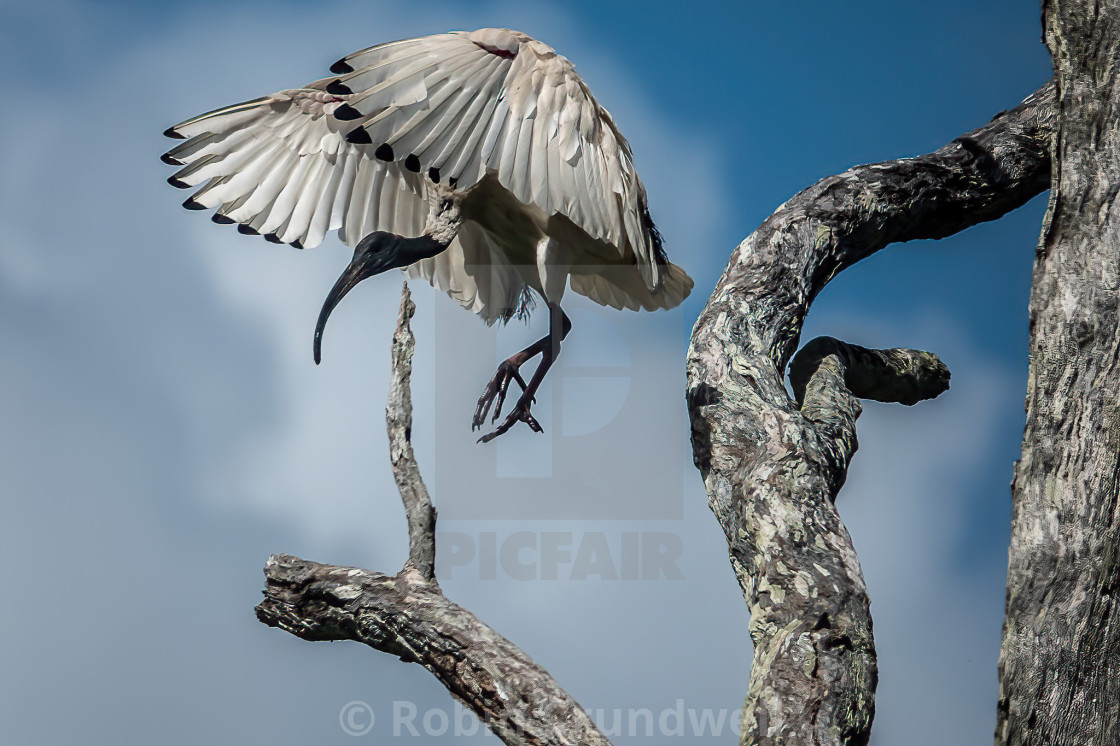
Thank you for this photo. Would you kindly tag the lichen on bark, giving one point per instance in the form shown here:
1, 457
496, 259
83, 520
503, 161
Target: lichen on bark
772, 465
1060, 657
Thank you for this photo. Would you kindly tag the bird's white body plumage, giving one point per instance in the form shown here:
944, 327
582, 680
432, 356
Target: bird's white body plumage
544, 181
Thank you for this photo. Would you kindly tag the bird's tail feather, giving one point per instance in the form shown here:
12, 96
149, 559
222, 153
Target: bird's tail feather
621, 287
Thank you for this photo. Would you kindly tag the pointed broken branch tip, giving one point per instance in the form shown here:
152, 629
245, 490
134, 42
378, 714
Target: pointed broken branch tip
398, 420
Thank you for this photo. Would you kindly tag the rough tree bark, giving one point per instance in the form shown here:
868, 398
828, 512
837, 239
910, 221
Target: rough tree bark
772, 468
408, 616
772, 465
1060, 659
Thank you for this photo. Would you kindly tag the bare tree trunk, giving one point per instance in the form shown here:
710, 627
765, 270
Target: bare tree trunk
772, 466
1060, 660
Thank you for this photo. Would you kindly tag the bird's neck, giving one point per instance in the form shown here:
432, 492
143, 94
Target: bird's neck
424, 246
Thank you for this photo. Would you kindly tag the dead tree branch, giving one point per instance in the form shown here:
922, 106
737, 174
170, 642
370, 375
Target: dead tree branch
398, 420
408, 616
829, 377
772, 466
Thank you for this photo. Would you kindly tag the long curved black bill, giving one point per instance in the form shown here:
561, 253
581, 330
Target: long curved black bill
376, 253
351, 277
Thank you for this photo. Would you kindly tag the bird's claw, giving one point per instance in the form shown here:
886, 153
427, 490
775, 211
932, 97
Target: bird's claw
520, 413
496, 391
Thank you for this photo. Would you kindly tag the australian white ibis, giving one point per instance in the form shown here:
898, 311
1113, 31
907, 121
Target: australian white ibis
479, 161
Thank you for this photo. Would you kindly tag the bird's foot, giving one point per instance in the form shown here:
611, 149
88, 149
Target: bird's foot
519, 413
496, 390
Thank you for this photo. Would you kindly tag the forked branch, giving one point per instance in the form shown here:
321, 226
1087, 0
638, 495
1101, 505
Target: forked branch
829, 377
408, 616
772, 466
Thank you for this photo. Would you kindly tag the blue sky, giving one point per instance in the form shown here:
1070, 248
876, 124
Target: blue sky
163, 428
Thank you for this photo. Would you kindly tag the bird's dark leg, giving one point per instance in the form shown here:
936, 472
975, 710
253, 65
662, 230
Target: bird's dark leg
548, 347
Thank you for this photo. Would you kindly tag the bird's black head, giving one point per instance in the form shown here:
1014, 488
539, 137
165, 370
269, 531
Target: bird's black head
376, 253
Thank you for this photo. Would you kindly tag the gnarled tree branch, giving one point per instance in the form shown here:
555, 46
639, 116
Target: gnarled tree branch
407, 615
829, 377
772, 468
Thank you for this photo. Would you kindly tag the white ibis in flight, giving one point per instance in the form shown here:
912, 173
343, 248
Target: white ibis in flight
478, 161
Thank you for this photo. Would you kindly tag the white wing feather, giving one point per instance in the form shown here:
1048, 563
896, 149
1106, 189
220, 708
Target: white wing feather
355, 151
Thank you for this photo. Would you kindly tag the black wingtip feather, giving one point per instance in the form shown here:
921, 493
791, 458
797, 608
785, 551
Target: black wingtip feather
297, 244
433, 174
190, 204
338, 88
247, 230
384, 152
166, 158
359, 137
346, 113
412, 163
222, 219
272, 238
176, 183
341, 68
170, 132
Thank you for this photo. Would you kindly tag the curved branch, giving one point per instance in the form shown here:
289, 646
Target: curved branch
898, 375
408, 616
771, 468
829, 377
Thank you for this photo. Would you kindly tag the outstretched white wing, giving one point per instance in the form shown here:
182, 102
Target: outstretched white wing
281, 166
354, 151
